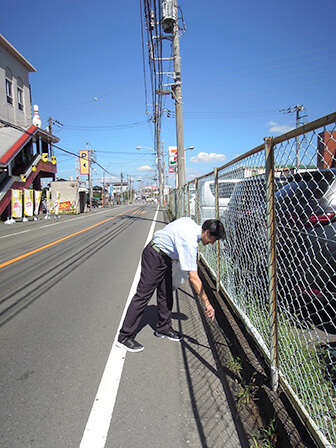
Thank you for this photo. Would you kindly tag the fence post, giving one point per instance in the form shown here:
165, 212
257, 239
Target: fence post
218, 241
271, 248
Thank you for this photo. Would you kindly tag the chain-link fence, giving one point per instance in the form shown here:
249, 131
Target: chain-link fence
277, 264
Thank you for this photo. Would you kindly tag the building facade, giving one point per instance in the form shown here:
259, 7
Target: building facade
26, 150
15, 97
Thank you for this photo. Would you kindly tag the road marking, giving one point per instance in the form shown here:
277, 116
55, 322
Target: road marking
53, 224
39, 249
98, 424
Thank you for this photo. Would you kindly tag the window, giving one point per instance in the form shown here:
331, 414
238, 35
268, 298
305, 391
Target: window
20, 94
9, 86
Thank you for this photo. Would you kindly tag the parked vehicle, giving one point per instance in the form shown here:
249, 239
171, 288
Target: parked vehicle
95, 202
306, 238
207, 197
242, 220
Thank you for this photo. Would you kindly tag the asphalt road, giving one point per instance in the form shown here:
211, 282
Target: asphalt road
64, 287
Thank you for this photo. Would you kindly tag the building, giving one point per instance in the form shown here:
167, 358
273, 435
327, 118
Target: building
15, 98
119, 187
71, 196
26, 151
326, 150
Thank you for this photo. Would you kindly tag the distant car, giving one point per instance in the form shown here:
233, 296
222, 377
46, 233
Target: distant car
94, 202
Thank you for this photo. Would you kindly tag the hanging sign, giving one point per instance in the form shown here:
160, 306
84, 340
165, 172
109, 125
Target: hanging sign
172, 155
84, 162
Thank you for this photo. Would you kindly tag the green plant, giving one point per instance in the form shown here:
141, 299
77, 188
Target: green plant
267, 437
234, 365
247, 392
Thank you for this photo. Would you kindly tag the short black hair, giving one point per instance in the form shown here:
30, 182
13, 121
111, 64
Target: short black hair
215, 227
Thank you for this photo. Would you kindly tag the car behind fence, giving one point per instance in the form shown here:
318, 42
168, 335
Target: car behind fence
277, 264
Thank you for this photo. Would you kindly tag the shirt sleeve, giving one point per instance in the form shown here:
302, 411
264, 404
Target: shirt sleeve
188, 257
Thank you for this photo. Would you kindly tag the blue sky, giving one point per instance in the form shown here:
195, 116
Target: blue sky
242, 63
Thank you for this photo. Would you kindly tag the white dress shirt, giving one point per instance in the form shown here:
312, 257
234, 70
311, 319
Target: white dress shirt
179, 240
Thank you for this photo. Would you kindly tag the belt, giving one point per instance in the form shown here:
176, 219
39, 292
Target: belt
158, 250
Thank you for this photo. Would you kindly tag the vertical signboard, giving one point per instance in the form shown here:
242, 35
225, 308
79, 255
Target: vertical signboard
37, 201
28, 202
16, 203
172, 159
57, 202
84, 162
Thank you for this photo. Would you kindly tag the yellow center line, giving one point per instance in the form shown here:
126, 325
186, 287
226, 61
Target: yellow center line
39, 249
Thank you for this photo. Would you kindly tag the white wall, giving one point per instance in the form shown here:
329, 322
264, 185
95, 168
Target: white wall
8, 111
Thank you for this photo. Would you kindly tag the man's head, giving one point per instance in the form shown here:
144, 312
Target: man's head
212, 230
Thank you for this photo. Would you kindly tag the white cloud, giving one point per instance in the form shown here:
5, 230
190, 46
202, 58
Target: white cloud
204, 157
144, 168
279, 128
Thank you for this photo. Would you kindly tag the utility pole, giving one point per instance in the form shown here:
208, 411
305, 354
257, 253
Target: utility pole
163, 173
50, 127
91, 160
177, 92
121, 188
297, 109
89, 176
158, 152
103, 191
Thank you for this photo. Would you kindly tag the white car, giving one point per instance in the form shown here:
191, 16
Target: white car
207, 198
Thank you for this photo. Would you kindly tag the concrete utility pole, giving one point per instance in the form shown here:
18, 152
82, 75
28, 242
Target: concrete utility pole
121, 189
50, 125
177, 92
163, 172
298, 108
158, 152
90, 174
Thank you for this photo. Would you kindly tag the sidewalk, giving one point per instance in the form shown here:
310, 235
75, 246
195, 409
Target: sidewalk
171, 394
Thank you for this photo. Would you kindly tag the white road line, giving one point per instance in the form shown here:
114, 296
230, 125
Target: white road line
98, 424
53, 224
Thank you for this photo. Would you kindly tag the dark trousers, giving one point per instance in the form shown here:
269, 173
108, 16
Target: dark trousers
156, 273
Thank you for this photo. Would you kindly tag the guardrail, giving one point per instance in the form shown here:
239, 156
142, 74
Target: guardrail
277, 265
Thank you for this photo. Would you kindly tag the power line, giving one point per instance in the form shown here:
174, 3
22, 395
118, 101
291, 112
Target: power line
106, 128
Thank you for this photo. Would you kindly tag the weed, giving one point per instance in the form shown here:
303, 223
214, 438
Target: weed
234, 365
267, 438
247, 392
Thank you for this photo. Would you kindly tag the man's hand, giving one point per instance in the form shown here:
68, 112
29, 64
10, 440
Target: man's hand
198, 288
209, 310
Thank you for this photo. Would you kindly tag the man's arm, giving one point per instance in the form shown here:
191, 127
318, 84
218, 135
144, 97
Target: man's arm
197, 285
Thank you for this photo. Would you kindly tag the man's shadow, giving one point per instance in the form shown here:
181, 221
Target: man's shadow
150, 317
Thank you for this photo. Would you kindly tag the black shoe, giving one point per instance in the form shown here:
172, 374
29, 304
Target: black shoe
170, 334
130, 344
